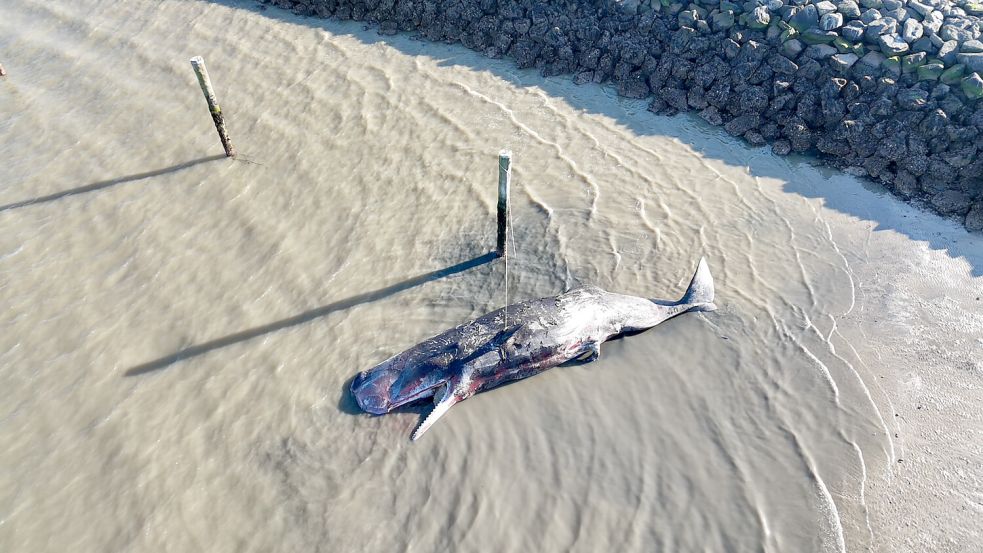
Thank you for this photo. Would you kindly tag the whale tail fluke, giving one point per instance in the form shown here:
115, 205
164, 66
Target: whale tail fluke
699, 295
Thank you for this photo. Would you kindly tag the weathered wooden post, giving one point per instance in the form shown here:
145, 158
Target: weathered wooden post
504, 180
206, 88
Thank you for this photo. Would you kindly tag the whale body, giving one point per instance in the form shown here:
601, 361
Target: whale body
516, 342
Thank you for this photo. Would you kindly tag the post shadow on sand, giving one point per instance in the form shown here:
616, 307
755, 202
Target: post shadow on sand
968, 247
109, 183
307, 316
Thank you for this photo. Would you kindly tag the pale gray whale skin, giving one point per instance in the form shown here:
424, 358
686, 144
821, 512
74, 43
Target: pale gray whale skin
515, 342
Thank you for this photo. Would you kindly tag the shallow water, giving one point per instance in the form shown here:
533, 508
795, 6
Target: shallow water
178, 329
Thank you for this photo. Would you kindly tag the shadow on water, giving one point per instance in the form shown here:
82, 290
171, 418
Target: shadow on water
715, 143
346, 403
109, 183
307, 316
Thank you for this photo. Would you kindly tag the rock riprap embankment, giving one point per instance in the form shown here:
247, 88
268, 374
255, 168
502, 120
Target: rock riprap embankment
888, 89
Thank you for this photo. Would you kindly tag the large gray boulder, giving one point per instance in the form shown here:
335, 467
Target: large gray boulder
820, 51
825, 7
870, 16
849, 9
892, 44
842, 62
948, 52
922, 9
792, 48
972, 86
872, 59
807, 17
758, 18
875, 29
831, 21
933, 22
853, 31
974, 61
912, 30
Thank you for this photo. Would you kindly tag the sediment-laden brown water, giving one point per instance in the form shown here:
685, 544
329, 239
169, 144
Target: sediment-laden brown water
177, 329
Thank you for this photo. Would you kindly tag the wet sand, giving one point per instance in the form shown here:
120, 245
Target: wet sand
178, 328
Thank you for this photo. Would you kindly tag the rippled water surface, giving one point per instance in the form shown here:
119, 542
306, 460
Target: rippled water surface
177, 330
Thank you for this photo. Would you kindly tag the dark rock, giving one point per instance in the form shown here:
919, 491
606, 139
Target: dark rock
742, 124
809, 70
696, 99
754, 138
882, 107
876, 166
893, 147
634, 86
675, 97
583, 77
961, 156
719, 94
832, 146
799, 135
704, 75
915, 164
934, 123
781, 103
853, 31
712, 115
906, 184
792, 48
951, 202
938, 175
806, 18
820, 51
780, 86
782, 65
753, 99
851, 91
974, 219
658, 105
781, 147
914, 98
770, 131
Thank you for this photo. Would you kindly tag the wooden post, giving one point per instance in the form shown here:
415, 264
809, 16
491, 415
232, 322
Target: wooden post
504, 180
206, 88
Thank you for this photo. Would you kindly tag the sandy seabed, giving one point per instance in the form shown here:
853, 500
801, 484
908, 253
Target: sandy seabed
177, 330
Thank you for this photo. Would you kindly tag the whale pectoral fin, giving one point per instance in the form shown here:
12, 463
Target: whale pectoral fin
592, 353
441, 405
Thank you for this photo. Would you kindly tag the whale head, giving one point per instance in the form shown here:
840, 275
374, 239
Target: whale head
399, 381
